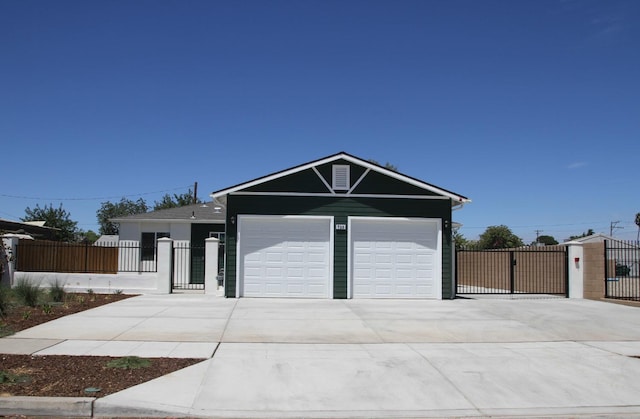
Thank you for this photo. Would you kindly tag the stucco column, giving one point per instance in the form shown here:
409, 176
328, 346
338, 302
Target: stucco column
8, 260
211, 265
164, 265
576, 269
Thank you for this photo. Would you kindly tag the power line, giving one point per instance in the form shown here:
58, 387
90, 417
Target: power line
542, 225
613, 226
91, 199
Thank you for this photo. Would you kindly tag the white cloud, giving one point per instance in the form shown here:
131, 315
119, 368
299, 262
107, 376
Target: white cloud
577, 165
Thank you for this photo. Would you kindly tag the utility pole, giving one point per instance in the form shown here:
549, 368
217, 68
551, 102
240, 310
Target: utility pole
538, 234
613, 226
195, 193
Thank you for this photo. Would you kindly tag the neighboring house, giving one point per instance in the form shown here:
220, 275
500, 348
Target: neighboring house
188, 226
35, 229
107, 240
595, 238
339, 227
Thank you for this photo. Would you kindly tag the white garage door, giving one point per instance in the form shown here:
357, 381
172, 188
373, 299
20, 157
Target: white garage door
395, 258
285, 256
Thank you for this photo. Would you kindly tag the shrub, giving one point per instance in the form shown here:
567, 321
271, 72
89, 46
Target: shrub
622, 270
57, 292
27, 293
4, 301
129, 363
7, 377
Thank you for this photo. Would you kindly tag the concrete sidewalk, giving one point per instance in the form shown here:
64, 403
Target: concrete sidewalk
361, 358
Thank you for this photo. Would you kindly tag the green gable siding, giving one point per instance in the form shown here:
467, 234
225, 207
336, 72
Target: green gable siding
305, 181
379, 184
339, 207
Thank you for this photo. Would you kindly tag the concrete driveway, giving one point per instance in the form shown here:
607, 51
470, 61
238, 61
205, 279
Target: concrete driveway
361, 358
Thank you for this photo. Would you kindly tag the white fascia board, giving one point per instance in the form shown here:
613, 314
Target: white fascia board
351, 159
344, 195
406, 179
275, 176
168, 220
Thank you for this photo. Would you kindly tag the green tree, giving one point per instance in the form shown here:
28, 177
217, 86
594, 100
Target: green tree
177, 201
387, 165
459, 240
54, 217
499, 237
547, 240
123, 208
88, 236
588, 233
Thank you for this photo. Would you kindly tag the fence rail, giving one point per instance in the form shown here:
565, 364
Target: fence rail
622, 270
49, 256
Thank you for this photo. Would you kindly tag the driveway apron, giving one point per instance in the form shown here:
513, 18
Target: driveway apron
363, 358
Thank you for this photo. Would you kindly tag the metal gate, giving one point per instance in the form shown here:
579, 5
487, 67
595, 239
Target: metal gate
538, 270
622, 269
187, 271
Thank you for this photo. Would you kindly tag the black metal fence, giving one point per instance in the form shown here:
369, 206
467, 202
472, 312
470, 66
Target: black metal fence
622, 270
187, 272
534, 270
132, 257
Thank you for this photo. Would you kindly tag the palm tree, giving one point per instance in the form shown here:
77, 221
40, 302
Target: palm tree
638, 224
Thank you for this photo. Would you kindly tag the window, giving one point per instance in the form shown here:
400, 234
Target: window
219, 236
148, 245
341, 179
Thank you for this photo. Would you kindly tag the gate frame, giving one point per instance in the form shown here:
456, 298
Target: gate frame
512, 272
627, 250
186, 267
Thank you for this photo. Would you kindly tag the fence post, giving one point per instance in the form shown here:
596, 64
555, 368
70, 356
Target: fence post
512, 271
164, 265
576, 269
8, 260
211, 265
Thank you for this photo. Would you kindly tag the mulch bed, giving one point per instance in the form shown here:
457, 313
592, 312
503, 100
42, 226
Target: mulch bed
20, 318
70, 376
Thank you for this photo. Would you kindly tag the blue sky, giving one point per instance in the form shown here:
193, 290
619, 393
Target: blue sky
529, 108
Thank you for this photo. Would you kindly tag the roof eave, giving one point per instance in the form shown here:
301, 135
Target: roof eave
342, 155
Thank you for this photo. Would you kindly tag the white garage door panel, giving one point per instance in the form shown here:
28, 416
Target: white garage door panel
395, 258
284, 256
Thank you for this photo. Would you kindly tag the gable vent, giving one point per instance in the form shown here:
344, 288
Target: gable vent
341, 179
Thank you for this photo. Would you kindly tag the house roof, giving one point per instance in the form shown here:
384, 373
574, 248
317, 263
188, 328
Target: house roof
596, 238
107, 239
197, 213
36, 229
427, 187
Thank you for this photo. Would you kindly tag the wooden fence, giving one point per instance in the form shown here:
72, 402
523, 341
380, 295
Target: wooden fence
49, 256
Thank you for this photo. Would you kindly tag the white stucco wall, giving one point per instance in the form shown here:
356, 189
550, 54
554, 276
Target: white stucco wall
129, 231
133, 283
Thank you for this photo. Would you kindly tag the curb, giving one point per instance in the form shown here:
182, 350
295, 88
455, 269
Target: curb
47, 406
